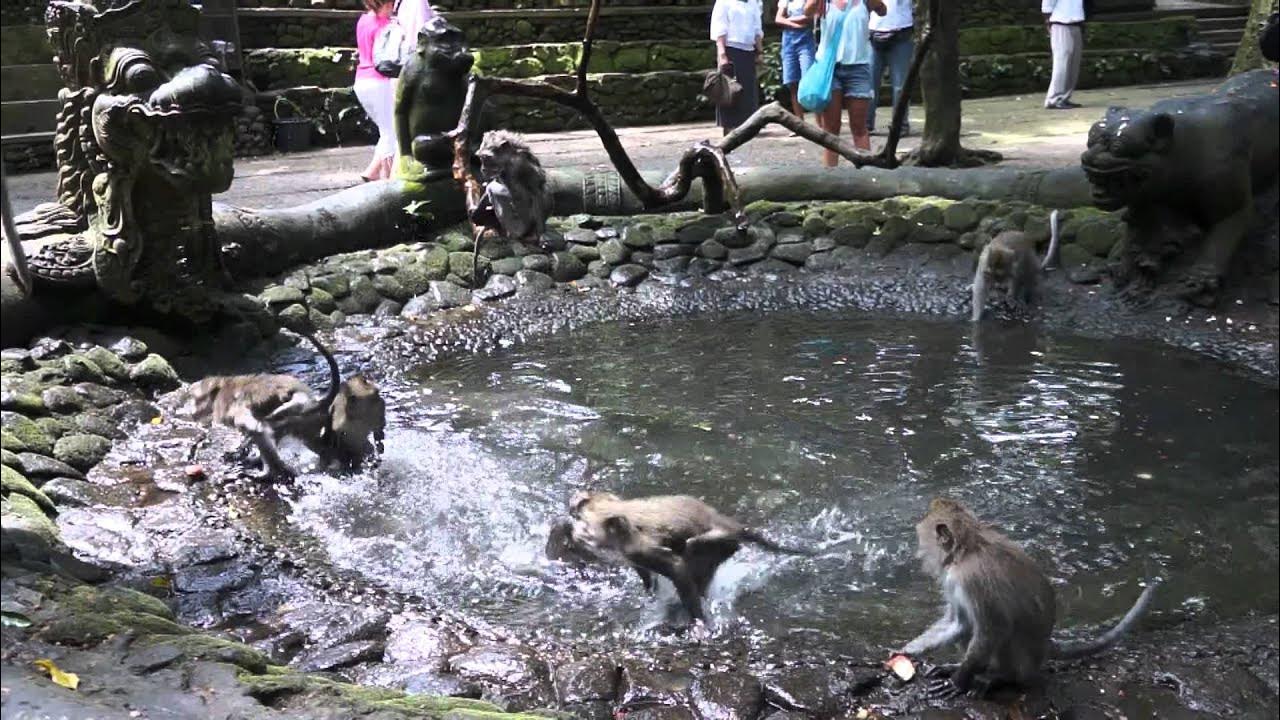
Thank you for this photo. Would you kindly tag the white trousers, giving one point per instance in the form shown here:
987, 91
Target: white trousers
1067, 44
377, 96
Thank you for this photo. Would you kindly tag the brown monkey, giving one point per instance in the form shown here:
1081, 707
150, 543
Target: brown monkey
676, 536
999, 605
357, 413
1010, 261
514, 203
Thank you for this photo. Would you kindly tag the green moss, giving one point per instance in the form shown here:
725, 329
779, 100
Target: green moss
12, 481
198, 646
81, 629
115, 600
22, 434
110, 363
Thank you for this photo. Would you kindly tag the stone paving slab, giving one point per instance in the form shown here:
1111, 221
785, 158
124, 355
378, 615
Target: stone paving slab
1016, 125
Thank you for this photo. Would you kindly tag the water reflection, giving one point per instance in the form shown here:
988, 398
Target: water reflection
1111, 461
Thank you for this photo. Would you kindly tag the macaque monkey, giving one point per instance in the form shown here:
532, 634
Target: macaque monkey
15, 261
676, 536
514, 202
267, 407
357, 413
1010, 261
999, 605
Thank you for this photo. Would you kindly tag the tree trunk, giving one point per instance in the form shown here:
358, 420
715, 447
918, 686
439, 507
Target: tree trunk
940, 85
1248, 55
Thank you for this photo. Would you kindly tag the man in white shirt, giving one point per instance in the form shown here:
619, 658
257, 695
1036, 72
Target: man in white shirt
1065, 20
892, 45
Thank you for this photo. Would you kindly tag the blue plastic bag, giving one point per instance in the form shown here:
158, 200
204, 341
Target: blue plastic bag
814, 91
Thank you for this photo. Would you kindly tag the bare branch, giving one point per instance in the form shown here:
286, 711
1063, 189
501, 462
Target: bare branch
587, 38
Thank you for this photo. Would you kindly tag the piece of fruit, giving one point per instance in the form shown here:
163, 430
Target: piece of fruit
902, 666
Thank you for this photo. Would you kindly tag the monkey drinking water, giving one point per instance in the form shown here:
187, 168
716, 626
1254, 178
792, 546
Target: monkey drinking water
266, 408
1009, 261
999, 605
514, 201
676, 536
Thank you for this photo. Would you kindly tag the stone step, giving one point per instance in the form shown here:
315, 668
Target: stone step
28, 116
29, 82
24, 45
1221, 23
1222, 37
1197, 10
33, 138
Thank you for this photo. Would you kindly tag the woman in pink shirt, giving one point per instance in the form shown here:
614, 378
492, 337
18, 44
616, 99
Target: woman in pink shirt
374, 90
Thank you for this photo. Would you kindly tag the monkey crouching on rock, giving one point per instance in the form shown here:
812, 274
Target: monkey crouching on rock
514, 200
268, 407
676, 536
999, 606
1009, 261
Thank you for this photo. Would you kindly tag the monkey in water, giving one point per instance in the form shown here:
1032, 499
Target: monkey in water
268, 407
676, 536
1010, 261
514, 202
999, 606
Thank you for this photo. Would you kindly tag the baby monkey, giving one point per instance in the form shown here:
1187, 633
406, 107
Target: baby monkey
999, 605
267, 407
1009, 261
676, 536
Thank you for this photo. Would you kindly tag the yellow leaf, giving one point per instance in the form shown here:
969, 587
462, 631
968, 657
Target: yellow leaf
67, 680
157, 420
161, 582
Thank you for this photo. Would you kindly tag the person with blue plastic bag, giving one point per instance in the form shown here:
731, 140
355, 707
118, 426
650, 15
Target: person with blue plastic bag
798, 47
844, 55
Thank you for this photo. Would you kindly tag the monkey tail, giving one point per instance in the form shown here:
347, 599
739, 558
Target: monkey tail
1055, 232
335, 375
754, 537
980, 283
1076, 650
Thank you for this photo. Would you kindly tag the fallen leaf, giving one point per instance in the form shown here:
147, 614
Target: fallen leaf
67, 680
902, 666
13, 619
157, 420
863, 714
163, 583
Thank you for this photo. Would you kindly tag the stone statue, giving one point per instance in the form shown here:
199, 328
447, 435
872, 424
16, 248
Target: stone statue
144, 137
1187, 171
431, 92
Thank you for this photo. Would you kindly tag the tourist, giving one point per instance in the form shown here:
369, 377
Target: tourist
1065, 21
851, 89
892, 44
737, 27
374, 90
798, 47
412, 15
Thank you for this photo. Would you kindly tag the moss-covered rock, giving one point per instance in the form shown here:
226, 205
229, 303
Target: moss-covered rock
22, 434
62, 400
12, 481
110, 363
79, 368
1098, 236
81, 450
25, 529
22, 400
153, 373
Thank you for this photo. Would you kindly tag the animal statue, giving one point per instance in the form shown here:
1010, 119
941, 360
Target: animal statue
432, 89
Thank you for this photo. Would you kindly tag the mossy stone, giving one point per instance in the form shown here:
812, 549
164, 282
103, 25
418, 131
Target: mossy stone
960, 217
435, 263
466, 265
81, 450
22, 434
928, 215
108, 362
337, 285
320, 299
1073, 255
814, 224
54, 427
26, 528
79, 368
1097, 237
20, 400
894, 231
154, 373
855, 235
282, 295
12, 481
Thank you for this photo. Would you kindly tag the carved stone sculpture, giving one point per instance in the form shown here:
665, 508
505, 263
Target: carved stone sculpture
429, 99
145, 136
1186, 171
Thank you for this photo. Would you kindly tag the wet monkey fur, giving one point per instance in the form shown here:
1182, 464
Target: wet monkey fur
1009, 261
999, 605
676, 536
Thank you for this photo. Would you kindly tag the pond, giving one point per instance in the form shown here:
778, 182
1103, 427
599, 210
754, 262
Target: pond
1112, 461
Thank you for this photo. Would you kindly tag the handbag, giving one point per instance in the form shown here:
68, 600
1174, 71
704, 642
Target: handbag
390, 51
721, 87
814, 91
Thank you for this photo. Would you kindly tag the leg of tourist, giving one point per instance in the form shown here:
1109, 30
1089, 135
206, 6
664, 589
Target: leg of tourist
879, 61
1062, 43
372, 96
831, 121
1073, 65
858, 108
791, 71
900, 52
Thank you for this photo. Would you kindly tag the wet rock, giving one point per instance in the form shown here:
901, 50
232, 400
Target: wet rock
856, 235
928, 215
435, 263
27, 403
25, 530
16, 360
697, 231
628, 275
971, 240
79, 368
598, 270
447, 295
282, 295
748, 255
660, 712
96, 423
498, 287
108, 362
152, 373
14, 482
666, 252
132, 412
552, 240
363, 298
1085, 275
732, 238
69, 492
784, 218
671, 266
814, 691
155, 657
727, 696
794, 253
337, 285
614, 252
642, 257
639, 236
213, 578
528, 281
101, 397
293, 317
823, 244
713, 250
202, 547
537, 263
390, 287
566, 267
585, 253
512, 670
960, 217
770, 266
62, 400
81, 450
814, 224
42, 467
507, 266
21, 433
433, 683
581, 236
703, 266
1073, 256
424, 644
388, 308
465, 265
335, 624
49, 349
641, 685
587, 680
931, 234
341, 656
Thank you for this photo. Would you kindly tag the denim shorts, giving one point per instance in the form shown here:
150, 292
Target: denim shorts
854, 80
798, 49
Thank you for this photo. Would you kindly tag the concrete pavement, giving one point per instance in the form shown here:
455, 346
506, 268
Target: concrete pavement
1016, 126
